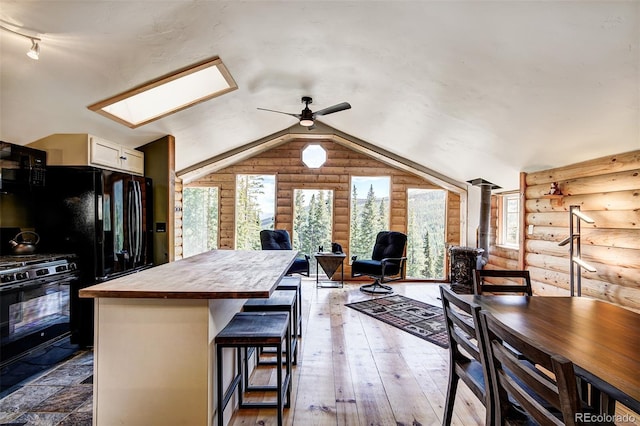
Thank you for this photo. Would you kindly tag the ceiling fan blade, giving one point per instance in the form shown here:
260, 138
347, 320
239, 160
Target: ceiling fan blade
330, 110
280, 112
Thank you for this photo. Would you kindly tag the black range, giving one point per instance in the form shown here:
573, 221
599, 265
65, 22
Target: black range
35, 301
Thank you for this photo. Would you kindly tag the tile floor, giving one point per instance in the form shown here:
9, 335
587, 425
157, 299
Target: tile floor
60, 396
35, 363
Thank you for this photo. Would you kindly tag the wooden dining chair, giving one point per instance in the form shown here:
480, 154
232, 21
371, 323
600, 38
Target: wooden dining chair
464, 353
510, 281
519, 388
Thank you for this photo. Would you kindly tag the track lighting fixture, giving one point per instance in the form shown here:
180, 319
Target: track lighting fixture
34, 51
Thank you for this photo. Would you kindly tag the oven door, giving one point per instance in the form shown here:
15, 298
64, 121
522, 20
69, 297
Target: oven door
32, 314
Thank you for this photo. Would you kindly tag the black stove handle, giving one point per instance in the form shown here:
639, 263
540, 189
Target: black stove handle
32, 284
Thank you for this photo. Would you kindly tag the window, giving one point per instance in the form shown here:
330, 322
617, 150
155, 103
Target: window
369, 213
509, 220
312, 221
199, 220
314, 156
168, 94
425, 233
255, 209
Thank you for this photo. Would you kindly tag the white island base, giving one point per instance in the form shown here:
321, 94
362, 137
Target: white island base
154, 360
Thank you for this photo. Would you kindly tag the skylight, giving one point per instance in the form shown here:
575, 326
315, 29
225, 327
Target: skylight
168, 94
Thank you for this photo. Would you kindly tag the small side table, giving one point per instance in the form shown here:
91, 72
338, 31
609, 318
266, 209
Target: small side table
330, 262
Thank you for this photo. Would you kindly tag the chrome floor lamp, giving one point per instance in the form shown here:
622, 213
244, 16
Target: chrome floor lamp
575, 253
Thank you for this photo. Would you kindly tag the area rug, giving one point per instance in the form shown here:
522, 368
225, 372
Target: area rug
414, 317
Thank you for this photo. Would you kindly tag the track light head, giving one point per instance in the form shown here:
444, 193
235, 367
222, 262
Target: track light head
34, 52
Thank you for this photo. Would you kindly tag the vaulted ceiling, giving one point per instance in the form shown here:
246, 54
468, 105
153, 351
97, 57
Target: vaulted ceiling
466, 88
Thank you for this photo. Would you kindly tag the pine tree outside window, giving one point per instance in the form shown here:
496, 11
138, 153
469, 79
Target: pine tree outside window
369, 213
426, 233
312, 221
255, 209
199, 220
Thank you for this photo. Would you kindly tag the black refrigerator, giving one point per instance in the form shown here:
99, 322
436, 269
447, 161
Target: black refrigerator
106, 219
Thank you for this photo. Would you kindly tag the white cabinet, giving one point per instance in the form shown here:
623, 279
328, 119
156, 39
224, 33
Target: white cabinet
81, 149
111, 155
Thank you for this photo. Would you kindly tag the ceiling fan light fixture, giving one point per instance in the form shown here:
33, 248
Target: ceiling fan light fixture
34, 52
306, 117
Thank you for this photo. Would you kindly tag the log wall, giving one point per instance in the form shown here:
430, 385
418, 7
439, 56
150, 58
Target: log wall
285, 162
178, 219
606, 189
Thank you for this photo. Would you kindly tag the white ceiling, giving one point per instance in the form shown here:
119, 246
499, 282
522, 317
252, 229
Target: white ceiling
467, 88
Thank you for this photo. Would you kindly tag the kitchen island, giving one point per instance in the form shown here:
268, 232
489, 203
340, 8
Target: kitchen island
154, 357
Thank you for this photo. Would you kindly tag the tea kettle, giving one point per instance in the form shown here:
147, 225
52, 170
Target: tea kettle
22, 246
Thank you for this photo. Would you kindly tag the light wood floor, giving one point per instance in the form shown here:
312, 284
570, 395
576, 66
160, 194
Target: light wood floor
355, 370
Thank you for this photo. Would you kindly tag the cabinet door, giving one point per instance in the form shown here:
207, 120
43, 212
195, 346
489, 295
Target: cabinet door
105, 153
132, 161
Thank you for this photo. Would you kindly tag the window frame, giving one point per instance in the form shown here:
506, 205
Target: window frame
237, 176
503, 222
294, 236
408, 189
201, 186
202, 90
351, 243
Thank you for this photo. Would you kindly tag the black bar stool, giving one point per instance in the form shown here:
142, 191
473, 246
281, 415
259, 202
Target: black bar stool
293, 283
249, 330
280, 301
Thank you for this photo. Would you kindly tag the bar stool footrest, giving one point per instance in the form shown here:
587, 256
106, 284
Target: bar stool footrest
268, 388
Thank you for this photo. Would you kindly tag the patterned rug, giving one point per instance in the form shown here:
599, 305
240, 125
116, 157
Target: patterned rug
415, 317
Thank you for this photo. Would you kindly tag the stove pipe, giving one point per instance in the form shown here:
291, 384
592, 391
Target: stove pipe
485, 214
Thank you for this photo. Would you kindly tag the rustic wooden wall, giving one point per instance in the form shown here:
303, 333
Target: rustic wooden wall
608, 190
285, 162
453, 221
178, 219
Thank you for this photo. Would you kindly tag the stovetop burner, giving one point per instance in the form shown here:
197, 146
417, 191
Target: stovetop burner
16, 261
20, 269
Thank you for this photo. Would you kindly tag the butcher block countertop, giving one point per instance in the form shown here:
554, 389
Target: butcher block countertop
216, 274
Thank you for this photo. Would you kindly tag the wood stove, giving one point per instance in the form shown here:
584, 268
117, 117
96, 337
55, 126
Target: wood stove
463, 263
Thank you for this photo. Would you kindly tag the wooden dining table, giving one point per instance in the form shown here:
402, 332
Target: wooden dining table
601, 339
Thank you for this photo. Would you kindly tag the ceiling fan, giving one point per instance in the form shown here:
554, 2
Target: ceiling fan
307, 117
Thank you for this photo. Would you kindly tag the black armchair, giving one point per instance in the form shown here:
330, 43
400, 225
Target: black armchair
387, 262
279, 240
